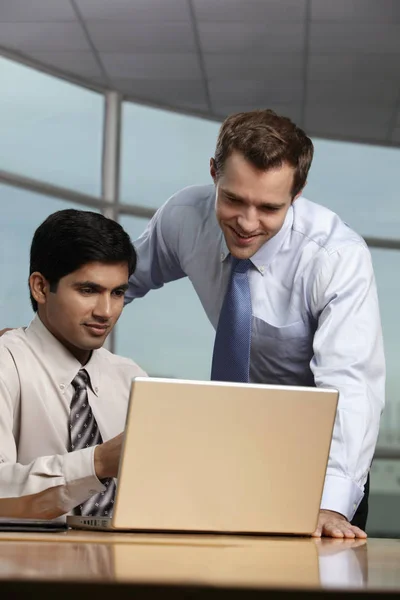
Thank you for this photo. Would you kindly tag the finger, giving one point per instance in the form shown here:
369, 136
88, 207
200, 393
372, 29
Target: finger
317, 533
348, 533
332, 530
359, 533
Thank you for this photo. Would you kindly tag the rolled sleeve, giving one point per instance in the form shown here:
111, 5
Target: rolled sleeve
81, 480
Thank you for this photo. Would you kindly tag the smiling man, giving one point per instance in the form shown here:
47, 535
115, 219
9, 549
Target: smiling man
288, 287
63, 398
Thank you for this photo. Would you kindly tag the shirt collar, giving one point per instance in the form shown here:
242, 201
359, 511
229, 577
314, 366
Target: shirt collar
263, 257
62, 364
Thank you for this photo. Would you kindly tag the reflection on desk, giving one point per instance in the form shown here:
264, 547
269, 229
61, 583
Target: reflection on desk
218, 561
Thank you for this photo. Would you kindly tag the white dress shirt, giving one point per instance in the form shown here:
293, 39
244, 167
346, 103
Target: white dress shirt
36, 372
315, 314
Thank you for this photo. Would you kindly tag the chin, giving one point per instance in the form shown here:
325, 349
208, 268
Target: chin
97, 345
88, 346
240, 252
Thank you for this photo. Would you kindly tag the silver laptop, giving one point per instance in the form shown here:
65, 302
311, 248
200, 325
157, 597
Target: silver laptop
221, 457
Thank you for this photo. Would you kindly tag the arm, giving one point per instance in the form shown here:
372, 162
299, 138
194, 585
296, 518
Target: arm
157, 252
56, 483
348, 356
33, 506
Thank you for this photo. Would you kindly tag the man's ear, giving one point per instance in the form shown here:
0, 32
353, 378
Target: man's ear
299, 193
213, 170
39, 287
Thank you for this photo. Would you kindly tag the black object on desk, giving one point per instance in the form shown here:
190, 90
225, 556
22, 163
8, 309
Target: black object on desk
32, 525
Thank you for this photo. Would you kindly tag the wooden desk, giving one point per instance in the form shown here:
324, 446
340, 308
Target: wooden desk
152, 564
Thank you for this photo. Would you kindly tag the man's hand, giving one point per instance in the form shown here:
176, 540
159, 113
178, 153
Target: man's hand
333, 524
106, 457
5, 330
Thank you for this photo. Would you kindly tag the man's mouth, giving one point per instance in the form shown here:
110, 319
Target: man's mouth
97, 328
242, 238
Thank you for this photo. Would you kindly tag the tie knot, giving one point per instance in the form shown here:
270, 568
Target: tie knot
241, 266
81, 379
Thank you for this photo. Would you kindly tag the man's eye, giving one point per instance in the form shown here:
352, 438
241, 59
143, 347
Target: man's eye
270, 209
87, 291
119, 293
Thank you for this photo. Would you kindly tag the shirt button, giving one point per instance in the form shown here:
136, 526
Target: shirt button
62, 386
222, 256
96, 390
262, 269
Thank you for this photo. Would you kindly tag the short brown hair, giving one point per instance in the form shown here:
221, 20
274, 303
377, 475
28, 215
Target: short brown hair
267, 140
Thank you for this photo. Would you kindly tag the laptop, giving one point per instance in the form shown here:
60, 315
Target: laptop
219, 457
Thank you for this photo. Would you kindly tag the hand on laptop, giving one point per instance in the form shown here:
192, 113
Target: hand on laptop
333, 524
106, 457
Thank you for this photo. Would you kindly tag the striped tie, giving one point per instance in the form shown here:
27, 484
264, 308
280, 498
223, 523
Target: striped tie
231, 358
84, 432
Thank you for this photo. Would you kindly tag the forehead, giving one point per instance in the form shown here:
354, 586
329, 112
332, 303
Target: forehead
107, 275
254, 185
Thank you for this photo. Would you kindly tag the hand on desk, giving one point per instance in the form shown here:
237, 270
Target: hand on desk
333, 524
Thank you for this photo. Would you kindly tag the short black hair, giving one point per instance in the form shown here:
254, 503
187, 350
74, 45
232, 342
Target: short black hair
69, 239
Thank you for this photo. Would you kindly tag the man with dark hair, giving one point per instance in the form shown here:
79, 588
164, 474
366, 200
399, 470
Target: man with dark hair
288, 287
63, 398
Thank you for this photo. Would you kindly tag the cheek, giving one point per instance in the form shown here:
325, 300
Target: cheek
117, 309
225, 212
272, 223
67, 309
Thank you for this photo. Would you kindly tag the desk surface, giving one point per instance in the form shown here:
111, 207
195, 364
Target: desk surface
201, 560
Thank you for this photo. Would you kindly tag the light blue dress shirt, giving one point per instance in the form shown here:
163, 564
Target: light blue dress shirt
315, 314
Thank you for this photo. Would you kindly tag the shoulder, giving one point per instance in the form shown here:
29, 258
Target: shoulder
121, 364
198, 199
193, 195
186, 216
323, 227
10, 344
13, 341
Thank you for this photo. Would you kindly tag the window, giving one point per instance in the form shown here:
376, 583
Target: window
21, 213
167, 333
360, 183
163, 152
51, 130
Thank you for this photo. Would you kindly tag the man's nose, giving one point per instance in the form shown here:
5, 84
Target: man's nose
248, 221
103, 307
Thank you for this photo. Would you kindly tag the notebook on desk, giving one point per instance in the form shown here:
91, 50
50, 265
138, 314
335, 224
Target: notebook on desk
221, 457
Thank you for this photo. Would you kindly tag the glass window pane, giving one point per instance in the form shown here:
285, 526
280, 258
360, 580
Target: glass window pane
163, 152
167, 333
387, 269
50, 129
21, 213
360, 183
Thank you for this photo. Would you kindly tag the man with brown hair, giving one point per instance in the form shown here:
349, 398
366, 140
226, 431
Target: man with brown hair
288, 287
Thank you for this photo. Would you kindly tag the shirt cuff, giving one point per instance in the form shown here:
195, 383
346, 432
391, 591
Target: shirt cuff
341, 495
80, 477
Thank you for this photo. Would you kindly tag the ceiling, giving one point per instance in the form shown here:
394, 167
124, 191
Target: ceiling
331, 65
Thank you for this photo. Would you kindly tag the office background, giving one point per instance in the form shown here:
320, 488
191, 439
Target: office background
71, 138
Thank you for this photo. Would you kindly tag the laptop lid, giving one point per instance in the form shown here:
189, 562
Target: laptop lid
223, 457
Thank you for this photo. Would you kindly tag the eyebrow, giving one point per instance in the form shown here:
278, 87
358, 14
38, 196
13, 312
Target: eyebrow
96, 286
264, 205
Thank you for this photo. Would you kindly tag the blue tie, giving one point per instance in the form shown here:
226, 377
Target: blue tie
231, 358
